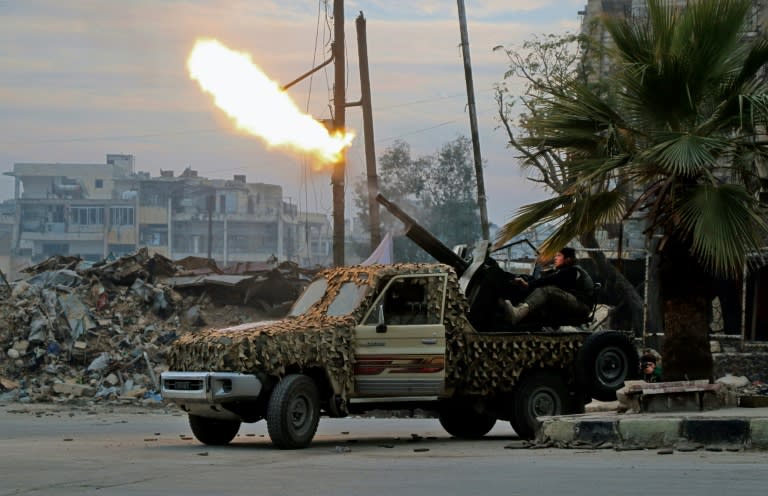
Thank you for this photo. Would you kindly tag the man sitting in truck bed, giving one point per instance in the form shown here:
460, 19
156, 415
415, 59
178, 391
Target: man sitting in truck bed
565, 296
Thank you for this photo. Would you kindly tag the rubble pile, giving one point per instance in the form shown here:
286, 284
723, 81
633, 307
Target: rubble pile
70, 331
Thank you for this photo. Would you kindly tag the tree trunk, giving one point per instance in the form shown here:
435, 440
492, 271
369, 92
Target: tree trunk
686, 354
687, 296
629, 301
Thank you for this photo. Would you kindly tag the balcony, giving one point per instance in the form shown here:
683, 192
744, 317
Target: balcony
59, 231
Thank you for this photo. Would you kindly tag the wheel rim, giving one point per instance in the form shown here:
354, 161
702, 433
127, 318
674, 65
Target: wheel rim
544, 402
611, 367
299, 413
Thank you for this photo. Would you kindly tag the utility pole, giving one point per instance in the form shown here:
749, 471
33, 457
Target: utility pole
481, 201
339, 103
370, 149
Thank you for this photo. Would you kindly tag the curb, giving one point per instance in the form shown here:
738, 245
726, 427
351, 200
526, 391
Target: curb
651, 432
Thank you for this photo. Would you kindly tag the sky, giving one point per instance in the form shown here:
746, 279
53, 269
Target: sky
83, 78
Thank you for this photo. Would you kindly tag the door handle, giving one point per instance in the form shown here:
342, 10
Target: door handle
429, 341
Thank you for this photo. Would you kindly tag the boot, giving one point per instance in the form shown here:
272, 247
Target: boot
514, 313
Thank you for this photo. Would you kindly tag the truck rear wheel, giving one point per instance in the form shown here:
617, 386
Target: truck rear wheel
461, 420
539, 394
213, 432
606, 360
293, 412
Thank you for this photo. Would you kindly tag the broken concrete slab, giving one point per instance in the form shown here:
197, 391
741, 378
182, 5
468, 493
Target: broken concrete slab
76, 390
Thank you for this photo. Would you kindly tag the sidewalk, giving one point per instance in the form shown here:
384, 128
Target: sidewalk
732, 429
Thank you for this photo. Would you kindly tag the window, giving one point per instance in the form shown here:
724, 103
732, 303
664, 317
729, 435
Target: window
121, 216
311, 296
85, 216
347, 300
410, 301
99, 183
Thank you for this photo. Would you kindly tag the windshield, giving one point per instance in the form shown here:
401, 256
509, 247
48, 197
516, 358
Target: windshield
349, 297
309, 297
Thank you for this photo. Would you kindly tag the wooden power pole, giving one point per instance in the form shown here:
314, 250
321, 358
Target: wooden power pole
339, 104
370, 149
481, 200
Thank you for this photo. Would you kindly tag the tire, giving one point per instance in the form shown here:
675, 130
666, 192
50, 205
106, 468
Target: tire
606, 360
461, 420
213, 432
293, 412
539, 394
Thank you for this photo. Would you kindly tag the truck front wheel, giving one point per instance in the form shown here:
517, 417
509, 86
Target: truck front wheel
540, 394
459, 419
293, 412
213, 432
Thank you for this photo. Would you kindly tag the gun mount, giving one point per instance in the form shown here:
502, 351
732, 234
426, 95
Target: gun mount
480, 278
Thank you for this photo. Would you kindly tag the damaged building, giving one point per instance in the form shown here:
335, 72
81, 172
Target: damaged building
97, 210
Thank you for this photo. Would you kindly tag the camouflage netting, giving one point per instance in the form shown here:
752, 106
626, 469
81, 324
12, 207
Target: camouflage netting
485, 363
304, 342
476, 363
310, 340
480, 363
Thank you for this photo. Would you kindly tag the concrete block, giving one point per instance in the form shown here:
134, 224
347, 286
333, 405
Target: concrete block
73, 389
558, 430
671, 402
758, 428
715, 431
596, 431
753, 401
649, 432
714, 400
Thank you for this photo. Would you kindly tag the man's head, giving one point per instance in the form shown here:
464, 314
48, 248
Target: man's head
647, 363
565, 256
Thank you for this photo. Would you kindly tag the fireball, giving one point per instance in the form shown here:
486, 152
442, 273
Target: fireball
257, 105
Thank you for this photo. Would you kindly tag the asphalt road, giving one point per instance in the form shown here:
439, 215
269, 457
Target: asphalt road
50, 450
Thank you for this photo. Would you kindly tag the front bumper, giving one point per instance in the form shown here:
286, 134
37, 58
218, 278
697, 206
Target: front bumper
203, 393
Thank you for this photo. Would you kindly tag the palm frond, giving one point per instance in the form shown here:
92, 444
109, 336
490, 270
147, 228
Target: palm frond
683, 155
573, 214
534, 214
586, 213
724, 224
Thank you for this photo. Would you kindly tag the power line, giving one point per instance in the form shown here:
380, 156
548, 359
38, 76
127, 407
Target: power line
418, 131
416, 102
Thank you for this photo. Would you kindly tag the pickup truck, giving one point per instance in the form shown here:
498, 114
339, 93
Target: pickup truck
387, 337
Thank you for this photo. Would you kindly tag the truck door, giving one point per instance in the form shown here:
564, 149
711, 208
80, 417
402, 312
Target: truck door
400, 346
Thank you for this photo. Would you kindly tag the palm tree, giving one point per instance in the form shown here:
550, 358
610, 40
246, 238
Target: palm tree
683, 122
546, 65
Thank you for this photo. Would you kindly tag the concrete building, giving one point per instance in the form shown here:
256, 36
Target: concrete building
638, 9
7, 222
97, 210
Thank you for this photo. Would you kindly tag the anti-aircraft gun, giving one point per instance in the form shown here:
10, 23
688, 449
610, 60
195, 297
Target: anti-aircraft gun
481, 278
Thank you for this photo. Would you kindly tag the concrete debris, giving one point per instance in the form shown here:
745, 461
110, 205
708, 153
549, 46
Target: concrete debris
100, 332
734, 381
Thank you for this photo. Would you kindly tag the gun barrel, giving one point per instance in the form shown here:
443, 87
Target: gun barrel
424, 238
